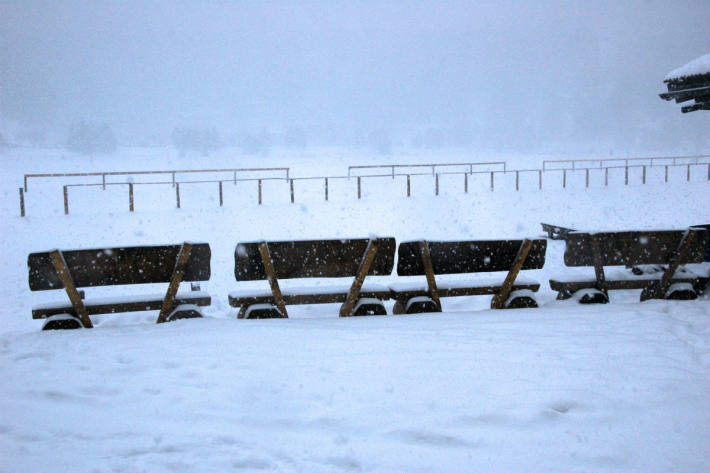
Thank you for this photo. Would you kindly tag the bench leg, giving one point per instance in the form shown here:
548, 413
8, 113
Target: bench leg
399, 307
62, 322
348, 307
263, 311
521, 299
175, 280
421, 304
368, 306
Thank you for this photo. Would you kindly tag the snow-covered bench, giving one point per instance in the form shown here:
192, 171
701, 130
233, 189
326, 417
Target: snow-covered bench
431, 258
73, 269
667, 250
274, 260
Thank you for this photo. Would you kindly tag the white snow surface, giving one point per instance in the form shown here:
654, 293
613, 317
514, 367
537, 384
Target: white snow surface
697, 66
622, 387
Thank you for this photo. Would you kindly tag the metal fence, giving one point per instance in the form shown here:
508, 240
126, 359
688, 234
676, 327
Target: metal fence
406, 178
173, 173
396, 169
560, 164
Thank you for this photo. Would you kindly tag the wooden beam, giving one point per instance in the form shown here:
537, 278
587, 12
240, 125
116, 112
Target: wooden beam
175, 280
273, 280
346, 310
657, 289
429, 272
498, 301
599, 266
60, 265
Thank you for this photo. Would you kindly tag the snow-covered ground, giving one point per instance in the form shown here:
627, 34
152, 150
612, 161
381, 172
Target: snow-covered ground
621, 387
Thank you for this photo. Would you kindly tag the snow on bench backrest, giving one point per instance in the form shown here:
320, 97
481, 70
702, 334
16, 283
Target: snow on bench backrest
118, 266
312, 259
629, 248
457, 257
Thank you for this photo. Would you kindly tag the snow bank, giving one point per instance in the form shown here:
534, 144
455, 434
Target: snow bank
623, 387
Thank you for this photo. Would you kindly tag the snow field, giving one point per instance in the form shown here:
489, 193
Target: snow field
620, 387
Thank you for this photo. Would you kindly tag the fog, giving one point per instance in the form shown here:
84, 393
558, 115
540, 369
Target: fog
550, 76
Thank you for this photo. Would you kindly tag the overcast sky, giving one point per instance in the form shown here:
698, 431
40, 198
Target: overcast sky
497, 74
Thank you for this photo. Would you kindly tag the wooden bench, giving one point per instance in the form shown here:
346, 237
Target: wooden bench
70, 270
668, 249
275, 260
554, 232
432, 258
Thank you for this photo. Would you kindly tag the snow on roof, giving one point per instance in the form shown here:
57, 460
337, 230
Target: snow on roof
697, 66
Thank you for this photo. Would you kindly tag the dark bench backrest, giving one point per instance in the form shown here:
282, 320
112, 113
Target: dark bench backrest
457, 257
633, 247
116, 266
707, 248
312, 259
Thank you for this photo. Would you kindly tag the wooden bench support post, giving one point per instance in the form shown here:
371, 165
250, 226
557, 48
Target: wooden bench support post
657, 289
346, 310
429, 272
599, 267
175, 280
60, 266
273, 281
498, 301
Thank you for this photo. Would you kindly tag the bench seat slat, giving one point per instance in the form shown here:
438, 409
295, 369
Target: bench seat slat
406, 291
453, 284
114, 305
307, 295
617, 284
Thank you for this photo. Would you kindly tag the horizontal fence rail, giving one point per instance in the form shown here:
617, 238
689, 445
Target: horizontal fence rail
592, 163
174, 174
498, 165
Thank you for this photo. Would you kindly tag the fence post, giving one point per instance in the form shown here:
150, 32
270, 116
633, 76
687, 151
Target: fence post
667, 172
465, 183
492, 181
409, 186
221, 197
643, 175
688, 178
359, 193
606, 177
291, 180
517, 180
25, 182
708, 171
130, 197
539, 177
103, 181
393, 173
177, 193
173, 173
626, 174
436, 180
326, 188
259, 191
235, 177
22, 202
564, 178
66, 201
586, 178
